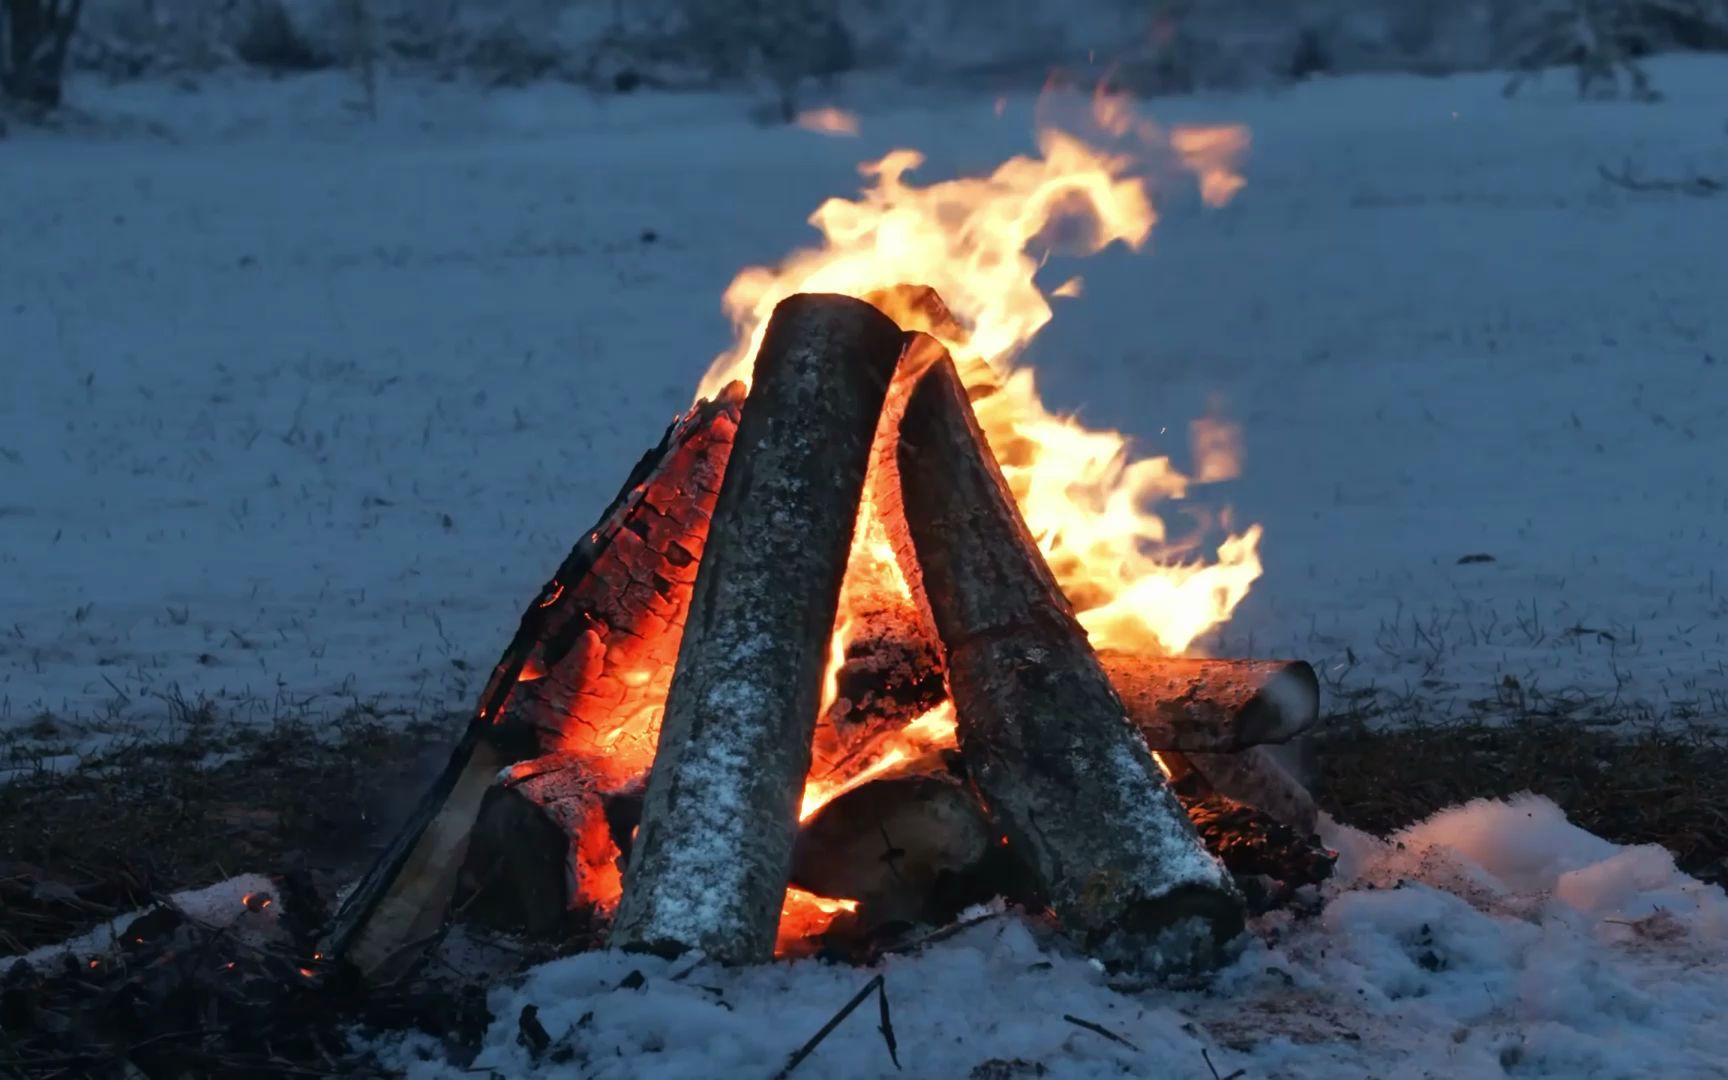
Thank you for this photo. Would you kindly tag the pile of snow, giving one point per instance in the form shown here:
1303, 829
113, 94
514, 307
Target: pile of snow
237, 904
1495, 937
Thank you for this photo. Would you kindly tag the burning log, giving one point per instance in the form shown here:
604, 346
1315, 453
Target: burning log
540, 841
400, 904
1214, 706
1042, 731
713, 853
909, 846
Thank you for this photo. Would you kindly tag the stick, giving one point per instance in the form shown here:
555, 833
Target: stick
879, 984
709, 866
1099, 1029
1044, 735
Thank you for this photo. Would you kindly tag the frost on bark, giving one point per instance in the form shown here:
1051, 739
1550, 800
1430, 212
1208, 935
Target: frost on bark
709, 865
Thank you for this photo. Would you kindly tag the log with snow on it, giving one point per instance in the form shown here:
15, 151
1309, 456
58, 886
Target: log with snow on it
1045, 736
712, 855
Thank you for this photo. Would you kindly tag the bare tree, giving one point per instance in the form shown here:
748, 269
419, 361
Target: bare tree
35, 36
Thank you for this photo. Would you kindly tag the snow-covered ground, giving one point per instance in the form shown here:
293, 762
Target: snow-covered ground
1493, 940
297, 411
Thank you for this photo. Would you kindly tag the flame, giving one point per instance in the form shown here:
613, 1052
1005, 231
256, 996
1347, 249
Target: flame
935, 730
828, 121
978, 242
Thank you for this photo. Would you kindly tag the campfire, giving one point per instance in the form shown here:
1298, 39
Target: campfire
811, 682
872, 636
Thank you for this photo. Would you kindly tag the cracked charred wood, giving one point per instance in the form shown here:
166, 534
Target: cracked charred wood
598, 595
1044, 735
541, 844
1214, 706
713, 852
913, 845
605, 631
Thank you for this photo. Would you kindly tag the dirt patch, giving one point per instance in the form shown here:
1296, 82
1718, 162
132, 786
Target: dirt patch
1629, 783
81, 847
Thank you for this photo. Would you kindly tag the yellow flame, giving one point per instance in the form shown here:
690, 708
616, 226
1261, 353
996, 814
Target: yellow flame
978, 242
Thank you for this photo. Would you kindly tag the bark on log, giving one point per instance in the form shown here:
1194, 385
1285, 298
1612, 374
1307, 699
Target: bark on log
540, 843
713, 853
1044, 735
403, 899
1214, 706
909, 846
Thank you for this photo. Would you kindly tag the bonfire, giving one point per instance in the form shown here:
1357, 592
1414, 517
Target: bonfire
873, 635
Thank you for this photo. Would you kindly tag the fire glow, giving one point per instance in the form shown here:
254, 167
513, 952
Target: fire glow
979, 241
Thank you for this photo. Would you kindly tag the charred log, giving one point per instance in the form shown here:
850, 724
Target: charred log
1043, 733
602, 639
402, 901
1214, 706
539, 843
713, 851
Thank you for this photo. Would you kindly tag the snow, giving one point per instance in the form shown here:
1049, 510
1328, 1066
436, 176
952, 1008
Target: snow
297, 412
1493, 939
222, 905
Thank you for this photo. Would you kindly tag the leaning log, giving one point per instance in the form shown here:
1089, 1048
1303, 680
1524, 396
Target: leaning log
713, 852
595, 599
1044, 735
1214, 706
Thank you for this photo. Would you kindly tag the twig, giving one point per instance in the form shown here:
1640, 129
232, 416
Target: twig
940, 935
1099, 1029
1213, 1069
1696, 185
880, 985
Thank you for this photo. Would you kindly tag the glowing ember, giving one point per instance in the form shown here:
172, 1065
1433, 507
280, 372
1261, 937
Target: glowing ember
978, 242
804, 915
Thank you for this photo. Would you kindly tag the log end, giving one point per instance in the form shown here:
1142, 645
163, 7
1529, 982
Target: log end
1285, 707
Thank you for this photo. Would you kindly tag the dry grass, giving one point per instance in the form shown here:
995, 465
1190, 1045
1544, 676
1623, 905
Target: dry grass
1630, 783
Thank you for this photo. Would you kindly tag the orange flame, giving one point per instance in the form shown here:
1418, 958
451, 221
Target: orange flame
804, 915
974, 240
828, 121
